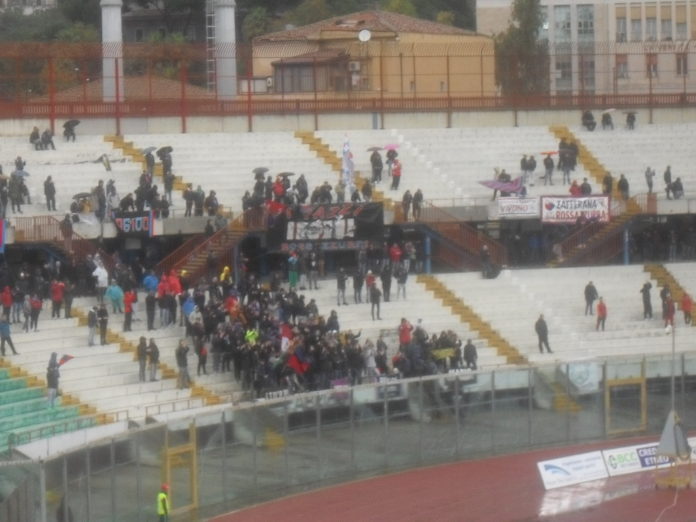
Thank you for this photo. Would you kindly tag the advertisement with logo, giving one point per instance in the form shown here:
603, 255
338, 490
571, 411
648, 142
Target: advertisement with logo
568, 209
573, 469
518, 207
630, 459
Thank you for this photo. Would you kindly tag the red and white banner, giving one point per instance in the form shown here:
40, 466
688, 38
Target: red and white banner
568, 209
518, 207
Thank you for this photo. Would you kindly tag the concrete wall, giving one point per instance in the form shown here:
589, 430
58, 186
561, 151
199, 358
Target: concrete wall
341, 121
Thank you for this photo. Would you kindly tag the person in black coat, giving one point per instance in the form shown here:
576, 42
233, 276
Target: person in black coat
375, 297
150, 303
50, 193
590, 297
542, 331
386, 277
103, 319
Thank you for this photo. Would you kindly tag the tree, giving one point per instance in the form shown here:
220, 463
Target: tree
445, 17
87, 12
172, 10
310, 11
404, 7
256, 23
522, 61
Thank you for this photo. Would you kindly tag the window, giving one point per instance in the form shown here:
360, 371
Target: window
621, 29
585, 22
682, 64
651, 29
621, 66
587, 72
666, 29
564, 73
651, 65
139, 35
561, 17
636, 30
544, 29
681, 30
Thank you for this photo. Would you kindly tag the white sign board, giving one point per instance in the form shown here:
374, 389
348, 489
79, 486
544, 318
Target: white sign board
568, 209
573, 469
630, 459
518, 207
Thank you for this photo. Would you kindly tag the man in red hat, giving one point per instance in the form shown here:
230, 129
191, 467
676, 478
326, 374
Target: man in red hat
163, 503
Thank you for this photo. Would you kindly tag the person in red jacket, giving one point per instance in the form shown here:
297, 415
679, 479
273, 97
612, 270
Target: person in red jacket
405, 329
395, 255
57, 294
601, 313
6, 299
669, 311
370, 280
128, 299
575, 189
396, 174
686, 306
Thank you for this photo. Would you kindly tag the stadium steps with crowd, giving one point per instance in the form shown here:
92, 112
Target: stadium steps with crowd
420, 304
75, 168
674, 276
512, 304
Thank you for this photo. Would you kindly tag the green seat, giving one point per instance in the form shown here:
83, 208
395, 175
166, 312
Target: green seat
20, 394
22, 406
43, 431
37, 417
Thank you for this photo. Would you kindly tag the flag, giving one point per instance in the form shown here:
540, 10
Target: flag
64, 359
3, 223
513, 187
347, 165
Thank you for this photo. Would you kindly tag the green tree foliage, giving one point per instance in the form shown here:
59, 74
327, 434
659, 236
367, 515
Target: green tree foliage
310, 11
79, 32
177, 15
40, 26
445, 17
256, 22
404, 7
522, 61
87, 12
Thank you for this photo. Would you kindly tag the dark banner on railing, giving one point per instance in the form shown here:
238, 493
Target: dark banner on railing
330, 223
134, 223
569, 209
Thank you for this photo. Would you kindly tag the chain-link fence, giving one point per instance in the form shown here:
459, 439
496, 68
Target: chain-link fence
236, 456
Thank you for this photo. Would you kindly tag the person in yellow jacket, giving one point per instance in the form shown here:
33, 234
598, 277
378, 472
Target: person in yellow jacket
163, 503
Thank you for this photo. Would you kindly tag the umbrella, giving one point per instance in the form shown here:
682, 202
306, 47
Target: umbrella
260, 170
629, 112
21, 173
608, 111
165, 150
82, 195
149, 150
71, 123
391, 146
283, 174
549, 153
373, 149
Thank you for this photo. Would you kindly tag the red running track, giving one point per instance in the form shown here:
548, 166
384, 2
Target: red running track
496, 489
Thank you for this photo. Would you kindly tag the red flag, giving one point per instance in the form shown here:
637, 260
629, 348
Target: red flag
64, 359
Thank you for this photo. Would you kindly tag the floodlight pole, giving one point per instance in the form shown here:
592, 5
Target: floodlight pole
672, 387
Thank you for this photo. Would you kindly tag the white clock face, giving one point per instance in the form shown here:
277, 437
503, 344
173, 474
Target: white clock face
364, 35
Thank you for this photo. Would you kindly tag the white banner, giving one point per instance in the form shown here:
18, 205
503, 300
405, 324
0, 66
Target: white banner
574, 469
568, 209
518, 207
630, 459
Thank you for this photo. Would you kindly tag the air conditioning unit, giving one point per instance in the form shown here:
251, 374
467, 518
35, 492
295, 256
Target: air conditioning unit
269, 82
354, 66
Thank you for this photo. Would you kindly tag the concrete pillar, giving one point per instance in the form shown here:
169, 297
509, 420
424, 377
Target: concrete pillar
225, 49
112, 50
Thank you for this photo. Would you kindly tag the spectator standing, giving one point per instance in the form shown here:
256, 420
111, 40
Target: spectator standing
669, 311
542, 331
150, 303
548, 170
52, 378
181, 354
375, 297
357, 286
50, 193
622, 185
647, 304
649, 177
153, 354
341, 278
601, 314
470, 355
376, 162
57, 293
142, 358
686, 306
401, 278
667, 176
590, 297
103, 318
396, 174
405, 334
406, 203
163, 503
36, 307
92, 323
417, 204
5, 336
129, 299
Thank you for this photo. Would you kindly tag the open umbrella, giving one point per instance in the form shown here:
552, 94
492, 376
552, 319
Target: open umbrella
549, 153
284, 174
167, 149
608, 111
71, 124
21, 173
373, 149
148, 150
260, 170
391, 146
82, 195
629, 112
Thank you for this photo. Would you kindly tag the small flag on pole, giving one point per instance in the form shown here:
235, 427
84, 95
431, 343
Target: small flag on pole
64, 359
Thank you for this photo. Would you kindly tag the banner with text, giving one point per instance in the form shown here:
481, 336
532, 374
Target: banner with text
335, 222
569, 209
573, 469
134, 223
513, 208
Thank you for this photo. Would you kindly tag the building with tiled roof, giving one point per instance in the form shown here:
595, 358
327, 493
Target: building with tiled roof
372, 52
